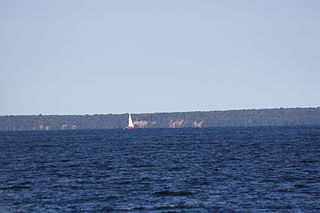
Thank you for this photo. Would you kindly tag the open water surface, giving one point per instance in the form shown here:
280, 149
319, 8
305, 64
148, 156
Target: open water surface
251, 169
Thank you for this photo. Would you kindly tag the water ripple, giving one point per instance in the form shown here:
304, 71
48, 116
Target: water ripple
261, 169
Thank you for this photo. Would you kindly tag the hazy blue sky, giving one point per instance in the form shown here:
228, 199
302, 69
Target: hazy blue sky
92, 57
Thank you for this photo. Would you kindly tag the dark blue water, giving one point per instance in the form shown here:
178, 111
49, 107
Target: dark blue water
260, 169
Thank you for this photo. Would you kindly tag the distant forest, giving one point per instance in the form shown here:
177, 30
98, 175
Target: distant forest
252, 117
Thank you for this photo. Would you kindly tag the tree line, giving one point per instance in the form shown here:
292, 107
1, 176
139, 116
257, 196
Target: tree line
252, 117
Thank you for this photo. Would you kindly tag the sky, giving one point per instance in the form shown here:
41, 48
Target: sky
145, 56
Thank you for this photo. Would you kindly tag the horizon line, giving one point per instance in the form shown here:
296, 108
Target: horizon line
132, 113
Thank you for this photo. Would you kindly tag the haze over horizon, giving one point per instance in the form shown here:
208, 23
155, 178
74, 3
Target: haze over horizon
102, 57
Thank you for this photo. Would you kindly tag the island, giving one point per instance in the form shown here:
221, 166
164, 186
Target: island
196, 119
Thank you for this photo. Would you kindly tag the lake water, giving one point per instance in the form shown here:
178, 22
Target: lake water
251, 169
